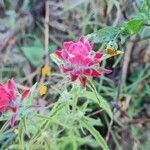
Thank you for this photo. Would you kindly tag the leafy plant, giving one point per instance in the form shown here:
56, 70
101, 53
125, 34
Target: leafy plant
66, 121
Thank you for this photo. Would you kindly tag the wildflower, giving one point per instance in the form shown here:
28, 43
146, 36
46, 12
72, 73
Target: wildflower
79, 60
46, 71
8, 99
6, 95
43, 90
111, 51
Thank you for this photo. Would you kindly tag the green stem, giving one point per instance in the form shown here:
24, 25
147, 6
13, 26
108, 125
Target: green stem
74, 104
73, 115
92, 87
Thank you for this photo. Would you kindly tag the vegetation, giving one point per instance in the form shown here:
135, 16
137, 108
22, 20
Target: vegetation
74, 74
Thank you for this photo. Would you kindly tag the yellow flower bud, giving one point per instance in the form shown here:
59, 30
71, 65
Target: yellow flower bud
46, 71
43, 90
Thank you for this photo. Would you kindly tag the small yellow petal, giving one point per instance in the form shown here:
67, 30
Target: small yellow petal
43, 90
46, 71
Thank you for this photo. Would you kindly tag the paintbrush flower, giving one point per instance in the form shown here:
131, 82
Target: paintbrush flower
80, 61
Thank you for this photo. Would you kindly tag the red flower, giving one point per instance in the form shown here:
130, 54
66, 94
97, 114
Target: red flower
8, 99
79, 60
7, 94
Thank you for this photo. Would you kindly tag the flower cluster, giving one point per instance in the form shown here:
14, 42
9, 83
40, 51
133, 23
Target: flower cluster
79, 60
8, 99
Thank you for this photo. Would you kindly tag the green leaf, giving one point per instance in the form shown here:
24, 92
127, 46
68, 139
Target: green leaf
133, 26
21, 134
104, 35
100, 100
94, 122
56, 110
34, 53
95, 133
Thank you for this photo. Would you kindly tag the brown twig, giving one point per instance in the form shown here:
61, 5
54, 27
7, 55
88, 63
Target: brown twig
126, 59
137, 121
46, 33
46, 30
109, 129
123, 75
95, 113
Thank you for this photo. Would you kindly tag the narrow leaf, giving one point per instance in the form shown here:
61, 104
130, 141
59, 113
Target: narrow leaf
100, 100
56, 109
95, 133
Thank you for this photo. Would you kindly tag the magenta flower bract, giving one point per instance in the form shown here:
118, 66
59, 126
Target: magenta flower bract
79, 60
7, 94
8, 99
